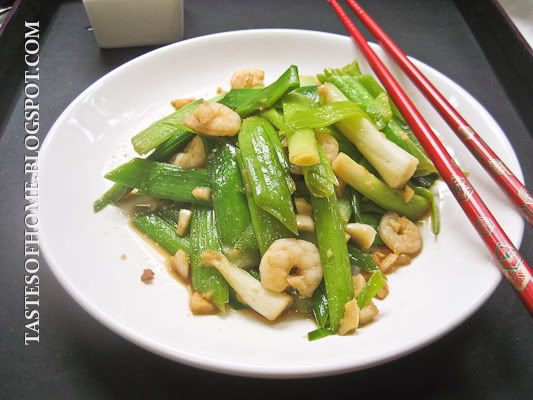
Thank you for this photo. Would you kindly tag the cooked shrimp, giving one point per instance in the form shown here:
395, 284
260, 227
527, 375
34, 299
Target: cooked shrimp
281, 257
403, 259
214, 119
193, 155
247, 78
330, 146
400, 234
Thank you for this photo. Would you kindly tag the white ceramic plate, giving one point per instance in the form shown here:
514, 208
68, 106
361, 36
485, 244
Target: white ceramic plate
452, 277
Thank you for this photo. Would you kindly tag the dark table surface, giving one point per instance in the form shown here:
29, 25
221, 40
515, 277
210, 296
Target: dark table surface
490, 356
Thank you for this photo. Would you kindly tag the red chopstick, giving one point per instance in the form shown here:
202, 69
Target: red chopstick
516, 191
511, 263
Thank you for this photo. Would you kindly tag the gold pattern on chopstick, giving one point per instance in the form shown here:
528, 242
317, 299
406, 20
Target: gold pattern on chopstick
512, 266
526, 196
498, 167
461, 188
484, 226
465, 132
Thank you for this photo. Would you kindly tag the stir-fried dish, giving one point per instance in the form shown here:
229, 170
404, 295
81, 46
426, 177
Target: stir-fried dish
300, 195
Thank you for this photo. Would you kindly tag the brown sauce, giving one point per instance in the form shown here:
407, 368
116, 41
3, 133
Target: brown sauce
128, 207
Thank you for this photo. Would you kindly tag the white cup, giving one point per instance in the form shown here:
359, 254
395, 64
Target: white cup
125, 23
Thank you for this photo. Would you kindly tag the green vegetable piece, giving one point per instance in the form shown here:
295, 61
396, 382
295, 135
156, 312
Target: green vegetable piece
321, 117
355, 200
170, 215
267, 228
309, 91
236, 97
394, 132
345, 205
161, 232
233, 302
369, 207
378, 111
112, 196
372, 287
378, 191
231, 206
162, 153
361, 259
435, 212
229, 199
373, 220
161, 180
333, 255
266, 177
302, 143
424, 181
162, 130
303, 150
308, 80
319, 178
375, 89
271, 94
204, 237
319, 334
320, 306
255, 273
274, 117
352, 69
281, 155
301, 306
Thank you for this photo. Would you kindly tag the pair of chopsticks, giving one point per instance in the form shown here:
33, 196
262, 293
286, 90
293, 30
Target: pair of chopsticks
513, 266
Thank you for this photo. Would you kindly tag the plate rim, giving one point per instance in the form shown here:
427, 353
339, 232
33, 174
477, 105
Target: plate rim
236, 368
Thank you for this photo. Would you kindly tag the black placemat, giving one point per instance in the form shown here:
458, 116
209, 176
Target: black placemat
488, 357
